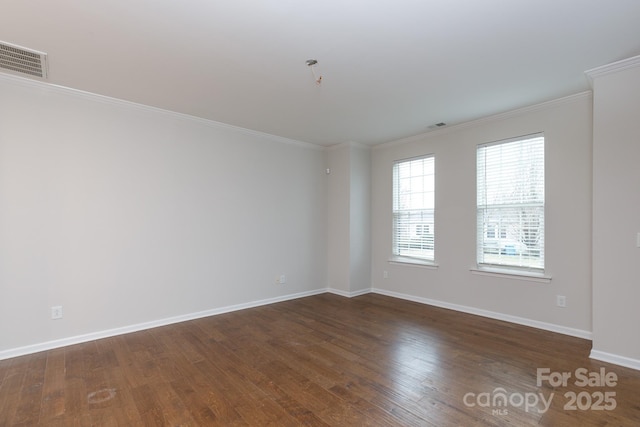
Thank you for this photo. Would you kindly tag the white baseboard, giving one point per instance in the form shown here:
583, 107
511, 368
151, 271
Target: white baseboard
48, 345
490, 314
615, 359
349, 294
63, 342
595, 354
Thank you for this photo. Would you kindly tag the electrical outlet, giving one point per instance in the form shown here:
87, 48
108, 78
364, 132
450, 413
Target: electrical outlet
385, 274
283, 279
561, 301
56, 312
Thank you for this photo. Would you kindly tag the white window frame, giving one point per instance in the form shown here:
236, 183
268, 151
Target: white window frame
510, 198
414, 211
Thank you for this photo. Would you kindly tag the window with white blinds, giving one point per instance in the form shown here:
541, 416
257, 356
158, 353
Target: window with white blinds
510, 203
413, 208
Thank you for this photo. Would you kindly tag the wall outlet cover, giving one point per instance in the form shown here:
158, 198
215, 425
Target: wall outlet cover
56, 312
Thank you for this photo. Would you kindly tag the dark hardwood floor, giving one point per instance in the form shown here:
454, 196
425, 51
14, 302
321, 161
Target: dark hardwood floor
322, 360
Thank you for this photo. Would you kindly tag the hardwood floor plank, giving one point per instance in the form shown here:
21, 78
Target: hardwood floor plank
4, 370
53, 399
30, 396
148, 404
121, 403
193, 401
222, 396
319, 361
9, 390
239, 385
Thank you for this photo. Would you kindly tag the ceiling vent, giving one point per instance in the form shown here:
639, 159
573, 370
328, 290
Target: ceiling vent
23, 61
436, 126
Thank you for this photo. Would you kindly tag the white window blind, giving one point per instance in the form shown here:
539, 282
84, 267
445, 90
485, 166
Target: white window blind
413, 208
510, 203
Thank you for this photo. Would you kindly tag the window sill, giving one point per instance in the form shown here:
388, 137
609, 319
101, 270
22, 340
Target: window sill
414, 262
530, 276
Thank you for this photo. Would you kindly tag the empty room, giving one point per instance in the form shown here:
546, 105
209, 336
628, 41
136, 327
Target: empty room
251, 213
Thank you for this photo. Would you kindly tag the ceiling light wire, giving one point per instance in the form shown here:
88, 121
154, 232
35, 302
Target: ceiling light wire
311, 63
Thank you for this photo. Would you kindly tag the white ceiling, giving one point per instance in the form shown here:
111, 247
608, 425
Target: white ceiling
390, 68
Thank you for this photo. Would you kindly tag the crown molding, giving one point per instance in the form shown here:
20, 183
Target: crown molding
489, 119
351, 144
80, 94
614, 67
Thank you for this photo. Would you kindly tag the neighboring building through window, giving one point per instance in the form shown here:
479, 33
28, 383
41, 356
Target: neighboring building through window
413, 208
510, 203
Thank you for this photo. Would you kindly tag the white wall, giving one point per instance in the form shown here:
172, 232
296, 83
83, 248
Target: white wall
616, 213
124, 215
360, 218
349, 216
566, 124
339, 219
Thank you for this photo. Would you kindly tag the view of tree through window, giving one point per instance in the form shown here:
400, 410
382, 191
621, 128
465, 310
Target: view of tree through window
413, 208
510, 203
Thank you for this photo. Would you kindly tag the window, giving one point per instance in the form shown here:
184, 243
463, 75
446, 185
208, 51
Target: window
413, 208
510, 203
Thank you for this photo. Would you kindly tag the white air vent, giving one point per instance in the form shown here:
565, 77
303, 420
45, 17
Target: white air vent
23, 61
